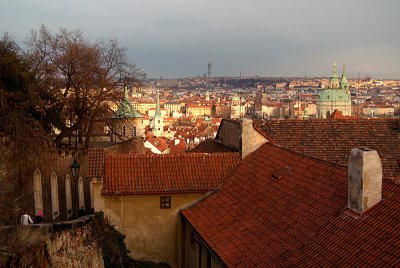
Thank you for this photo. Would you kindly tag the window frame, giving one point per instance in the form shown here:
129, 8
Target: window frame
165, 202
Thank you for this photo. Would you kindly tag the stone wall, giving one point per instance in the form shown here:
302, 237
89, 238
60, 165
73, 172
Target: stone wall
72, 249
36, 247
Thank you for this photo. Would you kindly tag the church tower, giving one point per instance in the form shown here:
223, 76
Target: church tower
334, 78
127, 122
344, 84
158, 121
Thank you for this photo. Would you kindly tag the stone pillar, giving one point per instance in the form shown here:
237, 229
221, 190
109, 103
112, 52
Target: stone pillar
364, 180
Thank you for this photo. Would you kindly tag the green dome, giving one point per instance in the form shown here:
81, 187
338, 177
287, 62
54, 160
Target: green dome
235, 98
334, 95
126, 110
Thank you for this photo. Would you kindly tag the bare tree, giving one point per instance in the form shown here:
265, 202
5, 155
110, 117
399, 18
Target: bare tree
85, 77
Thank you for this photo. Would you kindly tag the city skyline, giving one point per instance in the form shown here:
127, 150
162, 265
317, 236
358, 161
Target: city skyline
174, 38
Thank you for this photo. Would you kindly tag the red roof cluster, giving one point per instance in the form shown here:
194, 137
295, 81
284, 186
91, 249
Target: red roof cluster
297, 218
153, 174
332, 140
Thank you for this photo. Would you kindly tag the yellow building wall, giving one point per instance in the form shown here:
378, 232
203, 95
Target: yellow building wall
151, 233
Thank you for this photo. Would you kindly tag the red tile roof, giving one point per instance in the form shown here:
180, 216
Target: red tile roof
332, 140
95, 159
296, 220
153, 174
211, 146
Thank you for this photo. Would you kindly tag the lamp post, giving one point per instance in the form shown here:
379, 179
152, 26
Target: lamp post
75, 175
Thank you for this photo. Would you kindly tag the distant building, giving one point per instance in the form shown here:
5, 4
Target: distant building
198, 110
374, 110
173, 106
337, 96
237, 109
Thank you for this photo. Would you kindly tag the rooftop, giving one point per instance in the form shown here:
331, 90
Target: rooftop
332, 140
174, 173
281, 208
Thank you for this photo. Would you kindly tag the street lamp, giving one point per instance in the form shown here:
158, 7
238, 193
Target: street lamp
75, 175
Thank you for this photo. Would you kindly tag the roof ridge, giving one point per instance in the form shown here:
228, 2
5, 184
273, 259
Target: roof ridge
298, 153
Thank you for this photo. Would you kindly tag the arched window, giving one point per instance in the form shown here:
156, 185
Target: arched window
55, 204
68, 196
37, 191
81, 193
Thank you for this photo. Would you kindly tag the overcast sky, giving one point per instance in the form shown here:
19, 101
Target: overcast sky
174, 38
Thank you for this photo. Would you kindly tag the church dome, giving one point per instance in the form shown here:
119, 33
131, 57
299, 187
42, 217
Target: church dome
126, 110
333, 95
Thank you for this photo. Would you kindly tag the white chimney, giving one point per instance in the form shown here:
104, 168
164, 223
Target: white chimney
364, 180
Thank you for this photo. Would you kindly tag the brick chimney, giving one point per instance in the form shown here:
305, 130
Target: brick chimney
364, 180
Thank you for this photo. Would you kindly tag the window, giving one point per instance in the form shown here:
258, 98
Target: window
123, 131
165, 202
134, 133
159, 121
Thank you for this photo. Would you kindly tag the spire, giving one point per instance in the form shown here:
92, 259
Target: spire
334, 78
344, 84
126, 97
334, 70
158, 110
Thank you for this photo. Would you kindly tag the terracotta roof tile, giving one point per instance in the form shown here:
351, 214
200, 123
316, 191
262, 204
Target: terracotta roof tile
95, 162
152, 174
297, 220
332, 140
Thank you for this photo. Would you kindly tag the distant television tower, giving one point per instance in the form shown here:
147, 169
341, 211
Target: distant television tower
209, 65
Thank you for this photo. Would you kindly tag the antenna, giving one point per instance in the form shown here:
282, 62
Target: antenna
358, 89
209, 65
